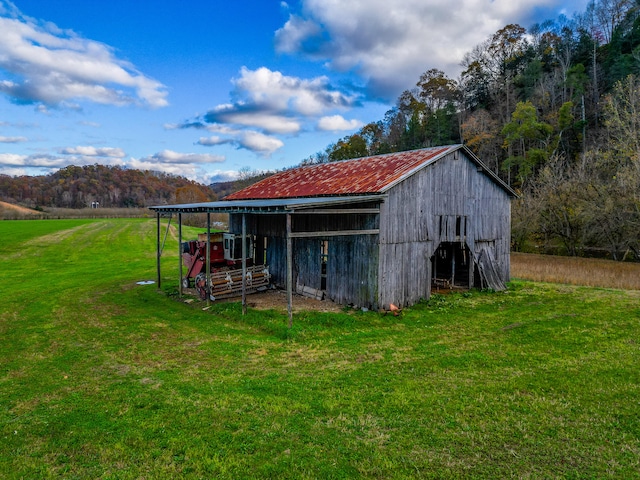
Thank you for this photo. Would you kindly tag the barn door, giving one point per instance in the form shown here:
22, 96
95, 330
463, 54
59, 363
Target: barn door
450, 265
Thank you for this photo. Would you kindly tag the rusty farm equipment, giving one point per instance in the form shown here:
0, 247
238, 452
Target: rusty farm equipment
225, 259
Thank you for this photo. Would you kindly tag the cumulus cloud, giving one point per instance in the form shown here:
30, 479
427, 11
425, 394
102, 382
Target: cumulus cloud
220, 176
46, 65
391, 44
247, 139
213, 140
184, 164
45, 163
94, 151
336, 123
258, 142
12, 139
268, 103
169, 157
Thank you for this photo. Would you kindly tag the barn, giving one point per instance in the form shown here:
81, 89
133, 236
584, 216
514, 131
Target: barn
378, 230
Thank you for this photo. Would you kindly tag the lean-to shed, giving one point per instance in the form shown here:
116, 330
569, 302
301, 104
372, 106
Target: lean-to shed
383, 229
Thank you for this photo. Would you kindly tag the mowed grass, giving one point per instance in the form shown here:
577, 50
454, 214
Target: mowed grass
103, 378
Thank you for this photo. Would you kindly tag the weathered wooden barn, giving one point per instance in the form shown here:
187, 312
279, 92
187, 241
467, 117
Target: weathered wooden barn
379, 230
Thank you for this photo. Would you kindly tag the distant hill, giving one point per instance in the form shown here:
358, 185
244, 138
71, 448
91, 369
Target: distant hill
80, 187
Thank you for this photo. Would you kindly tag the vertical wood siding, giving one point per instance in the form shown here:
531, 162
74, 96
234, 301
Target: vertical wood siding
449, 201
352, 263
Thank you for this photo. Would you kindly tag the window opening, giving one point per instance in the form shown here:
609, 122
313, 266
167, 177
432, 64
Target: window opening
324, 256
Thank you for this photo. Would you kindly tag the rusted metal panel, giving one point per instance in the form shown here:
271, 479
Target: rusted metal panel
361, 176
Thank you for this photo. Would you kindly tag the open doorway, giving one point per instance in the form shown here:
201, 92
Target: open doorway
450, 265
324, 257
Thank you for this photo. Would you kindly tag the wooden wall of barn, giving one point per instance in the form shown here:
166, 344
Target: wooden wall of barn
450, 201
352, 261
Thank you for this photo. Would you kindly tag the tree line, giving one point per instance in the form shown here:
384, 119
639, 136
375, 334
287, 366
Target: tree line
103, 186
555, 111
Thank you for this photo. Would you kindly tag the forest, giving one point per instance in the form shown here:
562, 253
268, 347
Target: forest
110, 187
555, 111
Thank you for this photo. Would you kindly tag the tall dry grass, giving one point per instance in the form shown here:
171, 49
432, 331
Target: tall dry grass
589, 272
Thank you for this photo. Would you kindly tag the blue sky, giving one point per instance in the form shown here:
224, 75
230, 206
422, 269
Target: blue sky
206, 88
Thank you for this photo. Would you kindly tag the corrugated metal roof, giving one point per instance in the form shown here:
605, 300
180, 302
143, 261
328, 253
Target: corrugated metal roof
368, 175
277, 205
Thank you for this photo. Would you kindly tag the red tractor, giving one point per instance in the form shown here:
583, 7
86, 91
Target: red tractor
225, 258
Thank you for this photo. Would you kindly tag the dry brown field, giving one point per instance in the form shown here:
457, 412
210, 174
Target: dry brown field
589, 272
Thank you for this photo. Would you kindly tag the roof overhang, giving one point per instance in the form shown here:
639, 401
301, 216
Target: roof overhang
268, 206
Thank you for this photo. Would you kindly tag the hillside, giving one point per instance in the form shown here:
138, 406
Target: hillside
22, 211
79, 187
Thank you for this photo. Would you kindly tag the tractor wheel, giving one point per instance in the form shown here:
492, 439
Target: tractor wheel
185, 282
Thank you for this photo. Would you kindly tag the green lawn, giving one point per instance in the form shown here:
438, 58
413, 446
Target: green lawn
103, 378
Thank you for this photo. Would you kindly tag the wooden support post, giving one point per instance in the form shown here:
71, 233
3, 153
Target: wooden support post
244, 263
180, 253
207, 284
453, 264
158, 251
289, 272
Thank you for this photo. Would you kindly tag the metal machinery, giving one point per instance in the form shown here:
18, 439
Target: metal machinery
225, 259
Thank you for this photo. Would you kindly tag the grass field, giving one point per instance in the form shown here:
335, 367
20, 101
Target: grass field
103, 378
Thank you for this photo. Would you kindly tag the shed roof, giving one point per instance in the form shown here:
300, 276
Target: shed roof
268, 206
361, 176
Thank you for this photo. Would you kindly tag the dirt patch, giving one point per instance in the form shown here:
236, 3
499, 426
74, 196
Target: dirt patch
277, 300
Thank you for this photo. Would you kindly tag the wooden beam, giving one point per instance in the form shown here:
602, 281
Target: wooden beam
180, 253
334, 233
334, 211
244, 264
289, 271
158, 251
207, 284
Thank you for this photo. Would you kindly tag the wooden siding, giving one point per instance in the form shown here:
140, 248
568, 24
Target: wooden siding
352, 270
352, 261
448, 201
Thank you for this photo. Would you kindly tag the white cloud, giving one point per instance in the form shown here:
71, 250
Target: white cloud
49, 163
268, 103
220, 176
268, 122
258, 142
44, 64
283, 93
94, 151
169, 157
337, 123
213, 140
392, 43
182, 169
13, 139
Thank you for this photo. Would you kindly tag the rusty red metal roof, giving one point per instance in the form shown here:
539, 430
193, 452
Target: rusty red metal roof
360, 176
